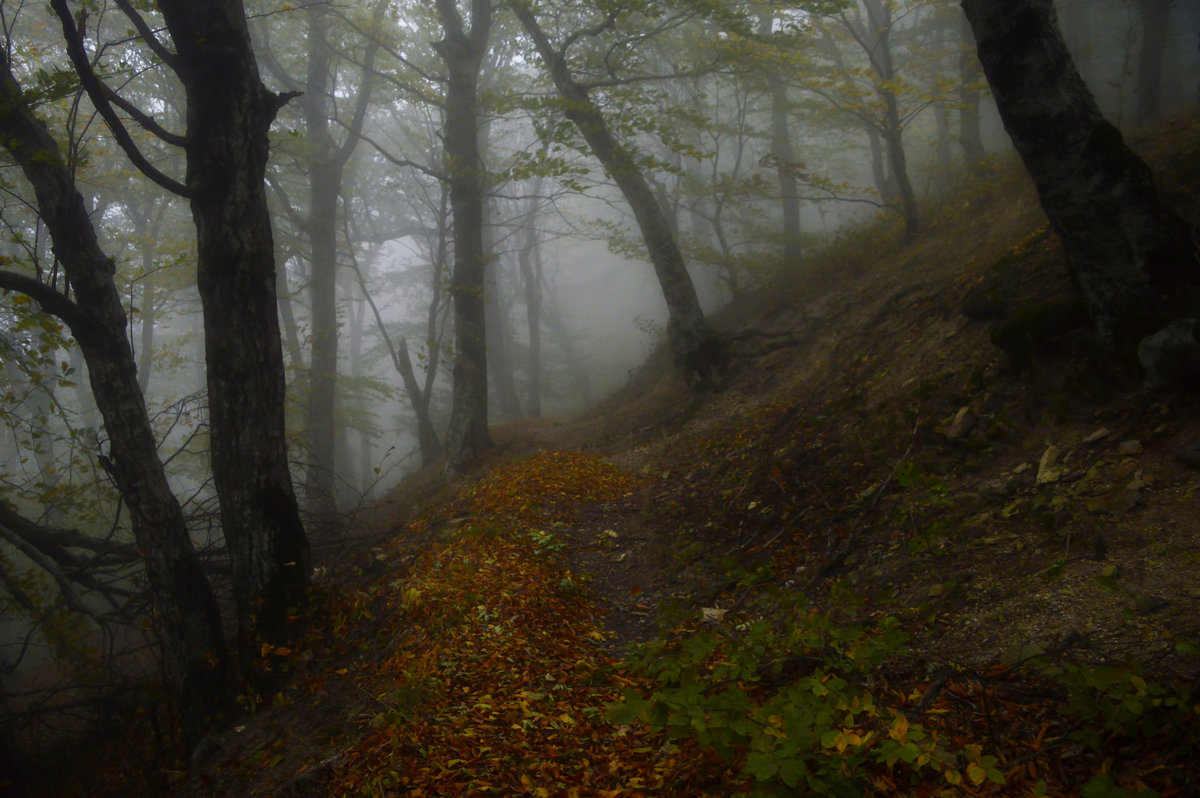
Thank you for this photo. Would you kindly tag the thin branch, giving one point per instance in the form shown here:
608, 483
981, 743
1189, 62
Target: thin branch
148, 35
52, 301
100, 97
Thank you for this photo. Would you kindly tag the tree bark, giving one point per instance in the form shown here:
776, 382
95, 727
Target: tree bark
190, 624
783, 153
427, 439
325, 170
1130, 255
879, 14
699, 352
496, 324
970, 137
1156, 15
530, 263
462, 52
229, 112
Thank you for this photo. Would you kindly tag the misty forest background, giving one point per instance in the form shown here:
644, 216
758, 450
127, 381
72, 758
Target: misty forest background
439, 185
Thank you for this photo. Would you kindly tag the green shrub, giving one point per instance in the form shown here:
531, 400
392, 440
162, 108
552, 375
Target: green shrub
787, 697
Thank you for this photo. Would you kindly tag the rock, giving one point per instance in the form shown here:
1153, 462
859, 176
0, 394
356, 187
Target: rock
1170, 357
1130, 448
1048, 469
1099, 434
961, 426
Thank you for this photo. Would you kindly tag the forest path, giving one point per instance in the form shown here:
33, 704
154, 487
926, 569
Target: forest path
480, 662
499, 673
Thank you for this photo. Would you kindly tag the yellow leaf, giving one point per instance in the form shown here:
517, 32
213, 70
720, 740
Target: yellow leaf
976, 774
899, 730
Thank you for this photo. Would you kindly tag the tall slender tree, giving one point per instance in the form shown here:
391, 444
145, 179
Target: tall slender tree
462, 50
229, 112
196, 656
700, 353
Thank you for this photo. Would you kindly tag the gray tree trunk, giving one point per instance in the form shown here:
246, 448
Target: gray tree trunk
462, 52
1156, 15
530, 263
1130, 255
879, 14
783, 154
700, 354
325, 170
970, 137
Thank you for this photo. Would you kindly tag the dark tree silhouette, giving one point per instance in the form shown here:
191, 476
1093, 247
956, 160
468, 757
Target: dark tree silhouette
1131, 256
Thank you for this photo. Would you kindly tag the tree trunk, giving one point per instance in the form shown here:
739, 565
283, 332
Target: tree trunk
463, 54
700, 354
1156, 15
783, 154
427, 439
499, 340
189, 621
970, 136
229, 112
888, 192
324, 178
291, 333
564, 337
530, 262
880, 15
1130, 255
325, 170
500, 364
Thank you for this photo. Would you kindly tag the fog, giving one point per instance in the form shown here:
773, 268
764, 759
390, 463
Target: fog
706, 145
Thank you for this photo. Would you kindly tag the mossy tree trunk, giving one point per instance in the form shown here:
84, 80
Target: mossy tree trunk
1130, 255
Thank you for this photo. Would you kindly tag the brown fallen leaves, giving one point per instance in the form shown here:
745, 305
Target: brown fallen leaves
496, 680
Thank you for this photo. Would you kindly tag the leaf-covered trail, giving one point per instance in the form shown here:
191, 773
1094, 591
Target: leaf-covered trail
495, 676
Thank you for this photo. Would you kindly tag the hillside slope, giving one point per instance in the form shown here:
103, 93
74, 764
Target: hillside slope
893, 557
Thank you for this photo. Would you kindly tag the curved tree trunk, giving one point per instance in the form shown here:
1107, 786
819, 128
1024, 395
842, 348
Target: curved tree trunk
700, 354
463, 54
229, 112
190, 623
1131, 256
879, 13
970, 136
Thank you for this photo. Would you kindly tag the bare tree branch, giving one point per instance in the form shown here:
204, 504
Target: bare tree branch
100, 96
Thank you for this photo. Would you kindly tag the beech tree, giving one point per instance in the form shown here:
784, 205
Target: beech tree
1131, 256
325, 155
699, 352
229, 112
462, 50
196, 656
